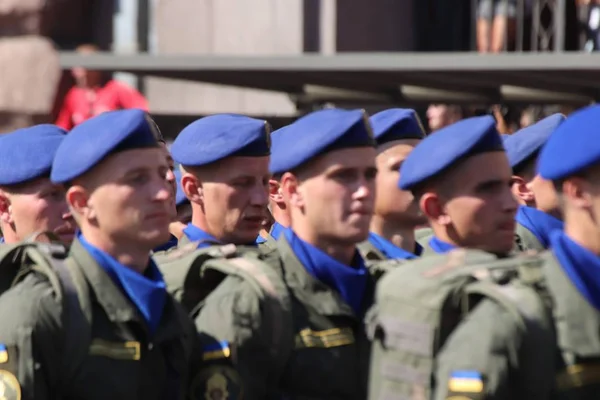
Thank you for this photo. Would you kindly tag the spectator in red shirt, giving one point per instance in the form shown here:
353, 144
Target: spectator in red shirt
93, 95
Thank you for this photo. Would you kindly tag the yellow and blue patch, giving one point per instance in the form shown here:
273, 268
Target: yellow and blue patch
3, 354
216, 351
465, 382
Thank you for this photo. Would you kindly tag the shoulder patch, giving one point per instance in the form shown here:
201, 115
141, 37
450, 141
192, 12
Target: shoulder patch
465, 383
10, 389
215, 351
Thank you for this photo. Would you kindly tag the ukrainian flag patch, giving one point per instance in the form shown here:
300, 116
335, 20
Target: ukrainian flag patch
215, 351
3, 354
465, 382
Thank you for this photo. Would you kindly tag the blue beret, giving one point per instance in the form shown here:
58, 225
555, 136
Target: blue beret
318, 133
396, 124
91, 141
180, 196
215, 137
525, 144
443, 148
27, 153
572, 147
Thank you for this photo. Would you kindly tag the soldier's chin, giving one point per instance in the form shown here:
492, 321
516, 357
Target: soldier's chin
357, 234
500, 248
155, 238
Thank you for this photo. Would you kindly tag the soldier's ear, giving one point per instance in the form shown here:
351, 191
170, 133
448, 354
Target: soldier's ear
79, 202
291, 191
5, 208
575, 191
275, 191
522, 191
192, 187
432, 207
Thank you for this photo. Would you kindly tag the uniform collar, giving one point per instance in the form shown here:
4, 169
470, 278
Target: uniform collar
390, 250
349, 282
114, 302
439, 246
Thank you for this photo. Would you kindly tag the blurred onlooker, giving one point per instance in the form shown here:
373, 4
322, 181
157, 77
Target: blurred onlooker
94, 94
441, 115
496, 25
508, 118
591, 23
528, 117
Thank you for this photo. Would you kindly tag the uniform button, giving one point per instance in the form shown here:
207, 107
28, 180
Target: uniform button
150, 346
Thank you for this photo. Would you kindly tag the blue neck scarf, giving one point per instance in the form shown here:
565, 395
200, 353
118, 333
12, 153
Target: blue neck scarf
581, 266
349, 282
539, 223
276, 230
440, 247
170, 244
147, 292
196, 234
389, 249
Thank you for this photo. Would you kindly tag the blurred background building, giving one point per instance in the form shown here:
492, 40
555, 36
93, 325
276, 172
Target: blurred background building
162, 40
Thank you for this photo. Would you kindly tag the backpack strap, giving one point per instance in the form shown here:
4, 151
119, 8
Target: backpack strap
276, 299
42, 236
73, 292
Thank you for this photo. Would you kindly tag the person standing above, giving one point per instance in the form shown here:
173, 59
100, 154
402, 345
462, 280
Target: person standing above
93, 94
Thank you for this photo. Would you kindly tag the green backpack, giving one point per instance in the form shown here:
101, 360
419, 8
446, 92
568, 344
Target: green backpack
418, 306
19, 260
192, 274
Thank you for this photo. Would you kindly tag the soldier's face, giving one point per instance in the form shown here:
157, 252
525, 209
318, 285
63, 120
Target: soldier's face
392, 203
479, 203
38, 206
235, 198
170, 177
335, 196
127, 198
546, 198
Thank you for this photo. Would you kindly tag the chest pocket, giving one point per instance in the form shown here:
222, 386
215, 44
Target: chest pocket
579, 381
122, 358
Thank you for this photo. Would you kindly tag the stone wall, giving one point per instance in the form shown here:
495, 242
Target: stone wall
29, 67
257, 27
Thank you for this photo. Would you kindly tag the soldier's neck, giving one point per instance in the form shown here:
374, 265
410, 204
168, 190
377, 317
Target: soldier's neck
282, 217
130, 255
400, 236
342, 252
584, 233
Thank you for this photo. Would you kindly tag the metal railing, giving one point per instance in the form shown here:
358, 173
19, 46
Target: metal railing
547, 19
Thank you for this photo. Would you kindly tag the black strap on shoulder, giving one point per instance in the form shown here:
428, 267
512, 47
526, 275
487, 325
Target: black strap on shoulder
76, 313
77, 316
